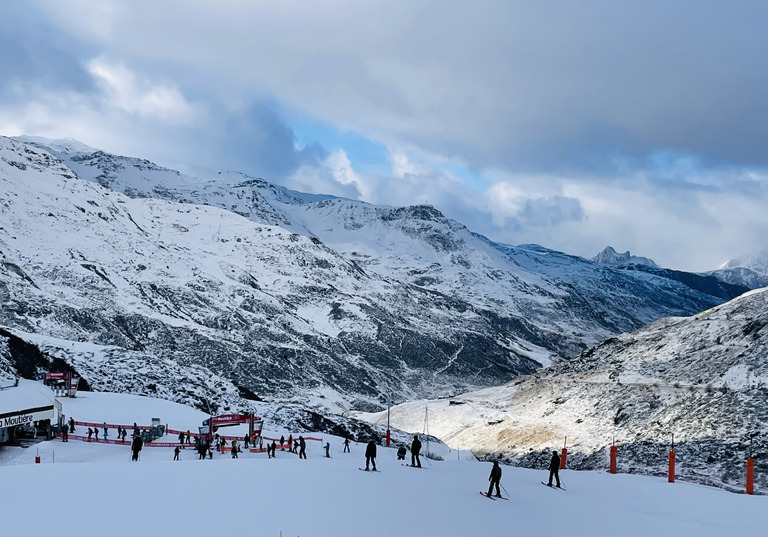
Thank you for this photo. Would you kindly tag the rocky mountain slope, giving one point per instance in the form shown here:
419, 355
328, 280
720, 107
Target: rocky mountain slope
703, 379
288, 295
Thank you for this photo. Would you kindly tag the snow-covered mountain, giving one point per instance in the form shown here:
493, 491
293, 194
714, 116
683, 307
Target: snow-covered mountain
748, 270
609, 256
286, 295
703, 379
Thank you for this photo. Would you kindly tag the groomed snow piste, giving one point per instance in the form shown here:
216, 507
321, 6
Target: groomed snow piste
81, 488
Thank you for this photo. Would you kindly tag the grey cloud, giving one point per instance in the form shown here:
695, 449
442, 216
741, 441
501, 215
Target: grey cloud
547, 86
33, 51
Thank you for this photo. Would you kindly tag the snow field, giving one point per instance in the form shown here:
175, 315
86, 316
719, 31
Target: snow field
323, 497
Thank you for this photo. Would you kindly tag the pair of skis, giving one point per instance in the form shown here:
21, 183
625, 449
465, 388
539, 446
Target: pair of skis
493, 497
552, 486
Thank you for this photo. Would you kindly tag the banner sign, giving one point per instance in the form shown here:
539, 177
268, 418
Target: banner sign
24, 417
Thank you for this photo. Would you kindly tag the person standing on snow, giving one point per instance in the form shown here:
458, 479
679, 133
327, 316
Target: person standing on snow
370, 455
105, 430
327, 450
234, 449
176, 452
136, 446
415, 449
495, 479
282, 441
71, 425
346, 446
302, 448
554, 467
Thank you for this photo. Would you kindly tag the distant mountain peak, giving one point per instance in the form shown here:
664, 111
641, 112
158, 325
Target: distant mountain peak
757, 262
609, 256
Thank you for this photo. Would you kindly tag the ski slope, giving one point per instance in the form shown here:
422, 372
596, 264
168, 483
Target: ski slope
87, 487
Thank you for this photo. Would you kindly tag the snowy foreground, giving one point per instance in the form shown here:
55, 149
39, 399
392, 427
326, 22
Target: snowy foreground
79, 485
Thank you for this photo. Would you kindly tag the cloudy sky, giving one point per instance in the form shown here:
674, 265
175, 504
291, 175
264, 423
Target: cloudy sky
575, 125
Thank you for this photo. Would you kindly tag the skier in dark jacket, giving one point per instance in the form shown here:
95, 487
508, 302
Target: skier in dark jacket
554, 466
176, 452
136, 446
282, 442
415, 449
495, 479
370, 455
401, 453
346, 446
302, 448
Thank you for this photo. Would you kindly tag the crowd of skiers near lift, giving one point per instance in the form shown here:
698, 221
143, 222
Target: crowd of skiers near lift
294, 445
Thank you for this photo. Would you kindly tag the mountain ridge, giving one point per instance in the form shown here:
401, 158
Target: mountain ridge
290, 295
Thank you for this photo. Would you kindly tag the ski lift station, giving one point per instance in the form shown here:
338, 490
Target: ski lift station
27, 409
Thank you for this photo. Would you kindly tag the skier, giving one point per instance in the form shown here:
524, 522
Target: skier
119, 431
302, 448
415, 449
188, 437
282, 441
136, 446
234, 449
401, 453
181, 438
105, 430
290, 443
554, 467
327, 450
64, 434
495, 479
346, 446
176, 452
71, 425
90, 433
246, 440
124, 434
273, 447
370, 455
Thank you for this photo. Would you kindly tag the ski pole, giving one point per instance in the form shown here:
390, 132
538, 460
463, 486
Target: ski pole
505, 490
